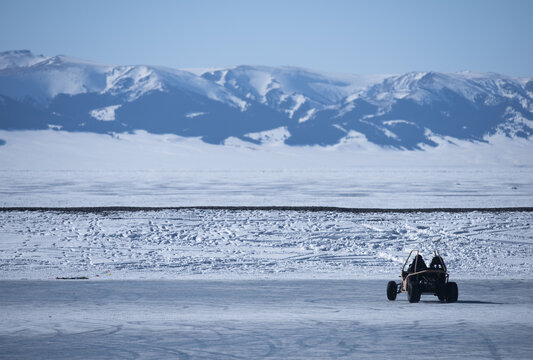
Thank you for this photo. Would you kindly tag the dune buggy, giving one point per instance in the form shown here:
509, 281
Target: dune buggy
418, 279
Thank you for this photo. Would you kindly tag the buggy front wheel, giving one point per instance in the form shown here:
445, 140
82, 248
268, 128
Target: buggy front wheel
413, 291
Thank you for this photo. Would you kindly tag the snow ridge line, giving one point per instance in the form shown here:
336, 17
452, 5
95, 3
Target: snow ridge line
266, 208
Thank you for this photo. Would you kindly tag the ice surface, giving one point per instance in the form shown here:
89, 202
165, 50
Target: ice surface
260, 320
360, 188
371, 188
251, 244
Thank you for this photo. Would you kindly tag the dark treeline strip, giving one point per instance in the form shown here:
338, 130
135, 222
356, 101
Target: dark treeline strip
264, 208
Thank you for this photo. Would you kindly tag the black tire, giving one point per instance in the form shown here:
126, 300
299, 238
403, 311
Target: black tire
441, 291
413, 291
392, 290
452, 292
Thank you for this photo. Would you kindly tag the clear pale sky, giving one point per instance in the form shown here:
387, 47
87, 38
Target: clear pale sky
343, 36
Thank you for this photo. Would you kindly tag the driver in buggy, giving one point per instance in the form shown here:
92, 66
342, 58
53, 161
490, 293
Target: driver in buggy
417, 265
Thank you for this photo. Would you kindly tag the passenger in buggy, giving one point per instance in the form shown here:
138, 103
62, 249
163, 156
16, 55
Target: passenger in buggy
437, 263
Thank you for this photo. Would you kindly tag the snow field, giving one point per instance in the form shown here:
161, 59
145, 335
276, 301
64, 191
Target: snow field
252, 244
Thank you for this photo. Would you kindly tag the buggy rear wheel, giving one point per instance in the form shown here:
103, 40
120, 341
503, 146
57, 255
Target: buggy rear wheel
392, 290
413, 291
452, 292
441, 291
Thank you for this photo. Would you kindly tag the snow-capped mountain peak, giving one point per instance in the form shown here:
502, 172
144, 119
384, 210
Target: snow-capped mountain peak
135, 81
272, 85
19, 59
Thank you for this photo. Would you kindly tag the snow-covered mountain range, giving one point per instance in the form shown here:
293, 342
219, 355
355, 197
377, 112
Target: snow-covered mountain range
259, 104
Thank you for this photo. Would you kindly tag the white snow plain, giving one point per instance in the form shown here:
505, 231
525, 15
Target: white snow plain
254, 244
57, 168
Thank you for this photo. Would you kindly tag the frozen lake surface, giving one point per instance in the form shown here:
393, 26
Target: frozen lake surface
364, 187
322, 319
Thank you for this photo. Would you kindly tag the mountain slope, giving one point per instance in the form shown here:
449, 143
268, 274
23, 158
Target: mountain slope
407, 111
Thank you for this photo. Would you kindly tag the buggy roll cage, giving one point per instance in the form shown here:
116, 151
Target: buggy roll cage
435, 254
406, 275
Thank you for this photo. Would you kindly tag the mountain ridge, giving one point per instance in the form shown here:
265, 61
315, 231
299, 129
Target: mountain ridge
403, 111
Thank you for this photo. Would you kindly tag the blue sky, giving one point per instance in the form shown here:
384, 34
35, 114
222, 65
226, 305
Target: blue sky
344, 36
